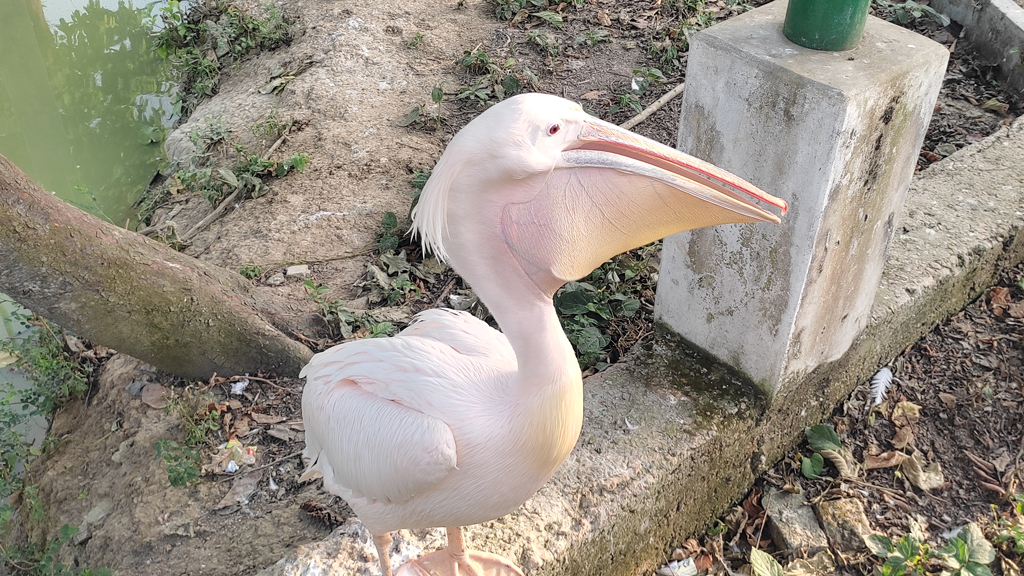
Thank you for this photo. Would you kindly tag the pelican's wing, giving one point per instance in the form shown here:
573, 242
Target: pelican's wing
370, 447
464, 332
372, 408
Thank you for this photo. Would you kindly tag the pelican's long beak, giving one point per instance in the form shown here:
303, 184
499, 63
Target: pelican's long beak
611, 191
606, 145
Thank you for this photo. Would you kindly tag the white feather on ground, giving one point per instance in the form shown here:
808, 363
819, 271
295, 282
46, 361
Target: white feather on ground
880, 384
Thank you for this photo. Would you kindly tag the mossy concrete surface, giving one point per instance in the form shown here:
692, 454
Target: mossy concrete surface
670, 441
836, 135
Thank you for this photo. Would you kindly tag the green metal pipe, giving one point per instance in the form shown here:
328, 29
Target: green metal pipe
831, 25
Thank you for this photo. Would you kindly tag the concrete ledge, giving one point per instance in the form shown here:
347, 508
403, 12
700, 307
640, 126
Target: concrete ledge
669, 441
995, 29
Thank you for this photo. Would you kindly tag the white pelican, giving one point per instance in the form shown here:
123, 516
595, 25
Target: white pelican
451, 422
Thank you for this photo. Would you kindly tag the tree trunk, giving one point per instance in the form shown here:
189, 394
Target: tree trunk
133, 294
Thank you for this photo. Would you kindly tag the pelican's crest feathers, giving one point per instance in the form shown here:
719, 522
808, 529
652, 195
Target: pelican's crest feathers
430, 216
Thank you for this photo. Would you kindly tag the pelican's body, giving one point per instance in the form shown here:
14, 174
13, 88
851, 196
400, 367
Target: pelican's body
446, 387
451, 422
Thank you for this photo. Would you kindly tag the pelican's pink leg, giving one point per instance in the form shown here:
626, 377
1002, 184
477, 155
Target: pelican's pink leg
455, 560
383, 544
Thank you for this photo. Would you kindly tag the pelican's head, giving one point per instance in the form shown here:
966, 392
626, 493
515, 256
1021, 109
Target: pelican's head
565, 191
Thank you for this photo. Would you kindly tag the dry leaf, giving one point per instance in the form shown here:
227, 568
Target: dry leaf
948, 399
592, 95
1002, 462
266, 419
903, 438
886, 460
925, 477
995, 105
603, 18
241, 427
999, 298
905, 413
1016, 310
153, 395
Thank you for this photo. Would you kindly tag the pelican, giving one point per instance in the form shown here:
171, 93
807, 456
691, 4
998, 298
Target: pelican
451, 422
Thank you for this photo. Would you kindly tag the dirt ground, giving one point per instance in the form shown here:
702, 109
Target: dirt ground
101, 474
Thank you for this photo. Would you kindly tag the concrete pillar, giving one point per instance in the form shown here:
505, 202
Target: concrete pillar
835, 134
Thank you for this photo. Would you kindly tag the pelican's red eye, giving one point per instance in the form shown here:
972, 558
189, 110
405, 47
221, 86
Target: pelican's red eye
554, 129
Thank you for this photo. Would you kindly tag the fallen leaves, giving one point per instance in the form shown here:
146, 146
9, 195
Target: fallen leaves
924, 475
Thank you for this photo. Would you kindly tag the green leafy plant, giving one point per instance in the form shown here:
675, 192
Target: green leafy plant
36, 560
270, 127
201, 42
547, 45
182, 462
251, 271
476, 61
594, 309
56, 377
827, 446
906, 11
908, 556
968, 553
416, 41
594, 37
628, 101
1008, 529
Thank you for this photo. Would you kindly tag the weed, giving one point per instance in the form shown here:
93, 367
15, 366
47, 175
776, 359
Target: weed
198, 413
251, 271
593, 37
214, 183
476, 61
55, 374
967, 554
824, 440
387, 238
56, 377
182, 462
628, 101
547, 45
270, 127
342, 322
200, 417
909, 10
415, 42
1009, 528
642, 78
479, 92
603, 305
201, 41
38, 560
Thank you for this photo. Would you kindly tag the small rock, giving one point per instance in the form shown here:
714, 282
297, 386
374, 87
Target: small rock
99, 512
792, 523
155, 395
82, 536
845, 524
135, 387
297, 271
122, 450
275, 279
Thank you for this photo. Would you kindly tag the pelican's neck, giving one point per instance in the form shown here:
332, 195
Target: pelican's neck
526, 316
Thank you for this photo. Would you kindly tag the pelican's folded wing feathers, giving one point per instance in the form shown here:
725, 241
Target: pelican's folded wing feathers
372, 424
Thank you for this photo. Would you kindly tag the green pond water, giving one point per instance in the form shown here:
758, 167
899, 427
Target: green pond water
84, 102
